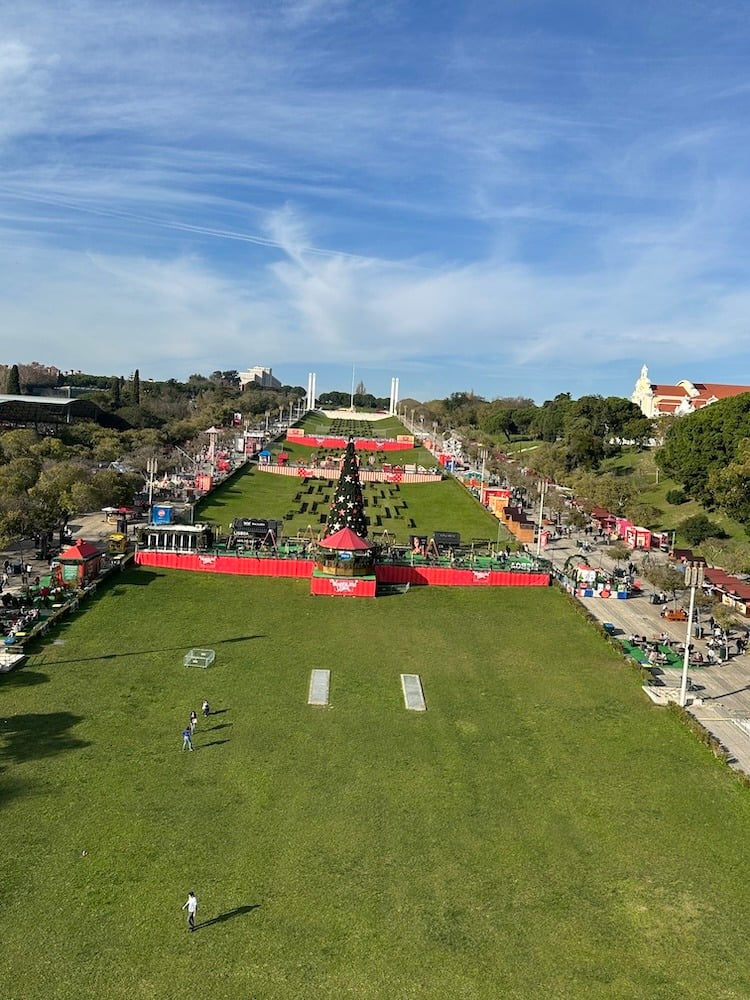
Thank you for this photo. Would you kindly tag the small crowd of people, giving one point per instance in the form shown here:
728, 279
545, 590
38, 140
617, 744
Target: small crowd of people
189, 730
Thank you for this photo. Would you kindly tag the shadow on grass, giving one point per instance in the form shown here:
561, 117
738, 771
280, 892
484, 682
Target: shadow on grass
229, 915
135, 577
9, 790
33, 736
223, 725
163, 649
23, 678
212, 743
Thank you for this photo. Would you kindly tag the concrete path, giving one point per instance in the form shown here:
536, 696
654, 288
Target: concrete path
94, 527
722, 703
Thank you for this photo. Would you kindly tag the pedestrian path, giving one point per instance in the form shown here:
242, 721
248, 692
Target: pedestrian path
722, 697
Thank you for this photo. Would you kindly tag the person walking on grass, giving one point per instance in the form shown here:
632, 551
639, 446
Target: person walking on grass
193, 722
191, 905
187, 742
206, 709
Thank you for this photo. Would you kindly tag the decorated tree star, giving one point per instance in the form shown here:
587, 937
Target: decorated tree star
347, 506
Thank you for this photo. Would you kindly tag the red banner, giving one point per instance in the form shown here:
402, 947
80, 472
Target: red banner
361, 444
339, 586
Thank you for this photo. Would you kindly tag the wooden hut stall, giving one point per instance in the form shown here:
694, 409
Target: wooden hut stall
80, 564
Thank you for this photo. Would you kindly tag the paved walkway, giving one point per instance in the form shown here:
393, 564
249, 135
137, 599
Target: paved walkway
93, 527
722, 704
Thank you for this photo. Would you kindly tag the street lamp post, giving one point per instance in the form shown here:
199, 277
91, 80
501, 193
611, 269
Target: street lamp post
152, 468
542, 494
693, 578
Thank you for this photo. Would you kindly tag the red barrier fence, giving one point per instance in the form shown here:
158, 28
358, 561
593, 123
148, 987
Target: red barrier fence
236, 565
365, 475
361, 444
417, 576
438, 576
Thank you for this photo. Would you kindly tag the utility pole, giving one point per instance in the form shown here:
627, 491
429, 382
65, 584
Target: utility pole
542, 494
151, 468
693, 578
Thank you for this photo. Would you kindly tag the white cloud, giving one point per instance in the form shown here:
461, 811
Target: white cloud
180, 182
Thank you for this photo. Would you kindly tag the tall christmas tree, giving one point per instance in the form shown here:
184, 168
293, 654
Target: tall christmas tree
347, 506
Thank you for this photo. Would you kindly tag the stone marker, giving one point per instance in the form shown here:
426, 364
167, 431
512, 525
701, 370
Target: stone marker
413, 694
320, 682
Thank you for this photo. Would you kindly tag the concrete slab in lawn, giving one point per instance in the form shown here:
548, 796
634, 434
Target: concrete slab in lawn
413, 693
320, 683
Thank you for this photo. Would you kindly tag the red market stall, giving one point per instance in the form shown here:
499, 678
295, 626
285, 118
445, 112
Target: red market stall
80, 564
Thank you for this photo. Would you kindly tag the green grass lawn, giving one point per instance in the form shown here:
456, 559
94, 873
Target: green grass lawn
445, 506
653, 489
542, 830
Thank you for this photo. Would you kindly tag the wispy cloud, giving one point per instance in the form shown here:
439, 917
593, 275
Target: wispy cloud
323, 180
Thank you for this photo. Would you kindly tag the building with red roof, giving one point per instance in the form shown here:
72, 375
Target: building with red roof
657, 400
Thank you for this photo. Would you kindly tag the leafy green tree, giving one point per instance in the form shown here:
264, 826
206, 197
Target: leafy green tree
728, 553
697, 528
614, 493
61, 490
665, 578
18, 476
729, 485
645, 514
17, 444
549, 460
584, 447
114, 489
705, 441
14, 382
549, 421
619, 552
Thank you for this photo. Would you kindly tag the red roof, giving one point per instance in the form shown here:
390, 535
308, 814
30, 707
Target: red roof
80, 551
347, 540
707, 390
669, 390
728, 584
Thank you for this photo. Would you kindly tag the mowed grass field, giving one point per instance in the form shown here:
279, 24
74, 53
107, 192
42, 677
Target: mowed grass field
444, 506
542, 830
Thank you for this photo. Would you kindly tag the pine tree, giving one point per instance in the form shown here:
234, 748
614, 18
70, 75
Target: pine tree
115, 391
14, 382
136, 388
347, 506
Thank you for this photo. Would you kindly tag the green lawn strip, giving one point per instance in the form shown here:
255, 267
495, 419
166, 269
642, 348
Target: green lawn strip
410, 456
641, 466
386, 426
444, 506
541, 829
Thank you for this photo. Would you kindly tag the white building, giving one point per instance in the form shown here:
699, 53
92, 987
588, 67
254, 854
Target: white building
657, 400
262, 377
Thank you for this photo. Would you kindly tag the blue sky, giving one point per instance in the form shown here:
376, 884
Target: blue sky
517, 197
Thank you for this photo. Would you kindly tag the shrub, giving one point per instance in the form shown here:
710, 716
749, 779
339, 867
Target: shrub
697, 528
677, 497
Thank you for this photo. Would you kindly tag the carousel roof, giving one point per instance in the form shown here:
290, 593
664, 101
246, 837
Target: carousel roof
347, 540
